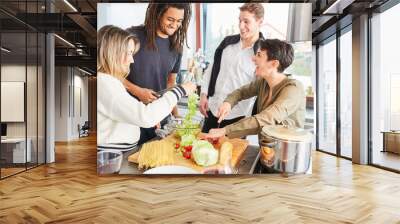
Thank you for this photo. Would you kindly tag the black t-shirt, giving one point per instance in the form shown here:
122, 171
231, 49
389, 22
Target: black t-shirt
151, 67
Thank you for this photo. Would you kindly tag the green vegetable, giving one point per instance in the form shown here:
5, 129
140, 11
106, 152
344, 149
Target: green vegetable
204, 153
202, 143
188, 127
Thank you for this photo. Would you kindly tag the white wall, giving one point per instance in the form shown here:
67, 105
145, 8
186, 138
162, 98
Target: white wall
123, 15
14, 73
71, 87
61, 103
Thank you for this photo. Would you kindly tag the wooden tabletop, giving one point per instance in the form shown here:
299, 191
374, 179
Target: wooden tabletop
245, 165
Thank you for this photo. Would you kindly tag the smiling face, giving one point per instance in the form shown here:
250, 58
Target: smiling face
264, 67
249, 25
170, 22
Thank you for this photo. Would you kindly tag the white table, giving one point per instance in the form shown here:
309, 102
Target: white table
18, 149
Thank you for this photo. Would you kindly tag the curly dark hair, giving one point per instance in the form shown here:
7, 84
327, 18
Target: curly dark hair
153, 16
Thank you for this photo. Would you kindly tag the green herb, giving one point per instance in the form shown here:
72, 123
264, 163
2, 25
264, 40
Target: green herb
188, 127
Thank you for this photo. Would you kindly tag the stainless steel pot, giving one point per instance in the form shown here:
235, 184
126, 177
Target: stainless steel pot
285, 149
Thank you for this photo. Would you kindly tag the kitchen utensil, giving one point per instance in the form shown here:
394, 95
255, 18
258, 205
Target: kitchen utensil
285, 149
109, 161
162, 92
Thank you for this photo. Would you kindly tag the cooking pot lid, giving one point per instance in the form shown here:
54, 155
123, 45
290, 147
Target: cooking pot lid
287, 133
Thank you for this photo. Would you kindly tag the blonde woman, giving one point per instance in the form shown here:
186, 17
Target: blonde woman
119, 115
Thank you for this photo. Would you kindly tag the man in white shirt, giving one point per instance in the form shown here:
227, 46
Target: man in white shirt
232, 68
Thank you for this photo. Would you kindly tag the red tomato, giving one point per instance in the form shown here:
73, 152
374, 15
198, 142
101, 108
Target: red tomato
187, 154
188, 148
177, 146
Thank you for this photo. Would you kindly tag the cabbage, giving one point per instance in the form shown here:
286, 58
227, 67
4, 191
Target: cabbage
187, 140
202, 143
204, 153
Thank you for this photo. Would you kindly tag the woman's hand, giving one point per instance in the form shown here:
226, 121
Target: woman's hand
189, 88
214, 134
223, 111
158, 125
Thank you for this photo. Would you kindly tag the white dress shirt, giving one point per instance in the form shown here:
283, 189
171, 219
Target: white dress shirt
237, 69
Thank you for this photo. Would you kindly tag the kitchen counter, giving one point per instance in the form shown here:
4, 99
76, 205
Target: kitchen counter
245, 166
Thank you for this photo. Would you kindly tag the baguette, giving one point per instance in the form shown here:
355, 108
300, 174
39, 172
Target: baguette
225, 153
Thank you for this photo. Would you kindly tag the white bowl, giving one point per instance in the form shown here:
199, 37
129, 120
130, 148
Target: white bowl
171, 170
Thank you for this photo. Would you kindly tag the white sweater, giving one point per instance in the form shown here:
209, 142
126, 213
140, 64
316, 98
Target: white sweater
119, 115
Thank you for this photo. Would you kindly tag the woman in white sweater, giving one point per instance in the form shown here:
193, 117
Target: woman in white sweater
119, 115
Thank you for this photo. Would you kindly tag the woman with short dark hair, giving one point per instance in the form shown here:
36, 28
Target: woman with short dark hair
281, 99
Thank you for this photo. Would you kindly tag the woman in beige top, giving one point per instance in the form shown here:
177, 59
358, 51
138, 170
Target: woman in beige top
280, 98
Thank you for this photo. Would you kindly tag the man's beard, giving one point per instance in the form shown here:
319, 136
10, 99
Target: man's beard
164, 31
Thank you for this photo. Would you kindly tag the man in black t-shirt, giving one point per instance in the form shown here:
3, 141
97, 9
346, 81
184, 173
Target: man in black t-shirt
158, 61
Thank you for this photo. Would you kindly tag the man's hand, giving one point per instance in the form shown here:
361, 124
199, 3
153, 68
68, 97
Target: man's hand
203, 105
145, 95
223, 111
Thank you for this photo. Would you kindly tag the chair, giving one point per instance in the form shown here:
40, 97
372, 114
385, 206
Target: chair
84, 130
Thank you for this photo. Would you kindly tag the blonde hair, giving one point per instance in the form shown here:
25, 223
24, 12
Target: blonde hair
112, 45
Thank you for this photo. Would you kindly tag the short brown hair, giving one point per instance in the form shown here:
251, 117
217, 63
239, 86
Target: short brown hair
278, 50
112, 44
255, 8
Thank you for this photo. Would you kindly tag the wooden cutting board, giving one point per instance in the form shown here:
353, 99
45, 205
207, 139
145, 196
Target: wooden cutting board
239, 147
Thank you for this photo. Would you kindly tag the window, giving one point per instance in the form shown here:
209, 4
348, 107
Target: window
327, 96
22, 64
385, 89
345, 93
274, 26
301, 70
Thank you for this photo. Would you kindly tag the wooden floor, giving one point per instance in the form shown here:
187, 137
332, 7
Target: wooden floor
387, 159
10, 171
70, 191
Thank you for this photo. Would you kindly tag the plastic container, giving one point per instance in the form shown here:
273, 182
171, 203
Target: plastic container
109, 161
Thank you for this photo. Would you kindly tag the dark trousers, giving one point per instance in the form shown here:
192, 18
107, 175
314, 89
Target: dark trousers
147, 134
212, 122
